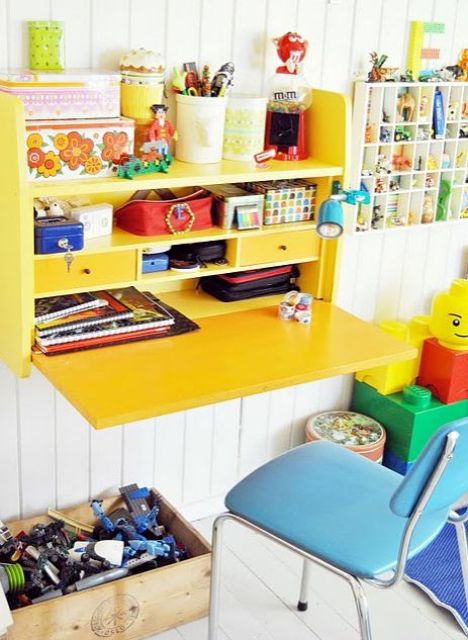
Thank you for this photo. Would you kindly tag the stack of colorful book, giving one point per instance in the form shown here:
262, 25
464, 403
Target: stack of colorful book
85, 320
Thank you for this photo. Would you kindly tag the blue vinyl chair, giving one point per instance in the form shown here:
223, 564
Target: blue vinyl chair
348, 514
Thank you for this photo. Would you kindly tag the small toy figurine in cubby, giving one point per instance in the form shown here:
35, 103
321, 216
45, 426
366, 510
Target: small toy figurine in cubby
406, 104
452, 111
402, 134
370, 134
377, 217
385, 134
380, 186
463, 133
400, 162
431, 164
383, 165
423, 133
424, 107
394, 185
429, 182
427, 209
445, 161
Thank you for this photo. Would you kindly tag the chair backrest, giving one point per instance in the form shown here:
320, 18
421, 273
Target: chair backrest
453, 483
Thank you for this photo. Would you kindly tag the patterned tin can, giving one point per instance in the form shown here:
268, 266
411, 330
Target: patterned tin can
354, 431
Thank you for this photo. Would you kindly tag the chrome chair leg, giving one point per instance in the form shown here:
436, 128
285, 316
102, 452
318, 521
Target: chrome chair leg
305, 581
362, 608
216, 547
463, 551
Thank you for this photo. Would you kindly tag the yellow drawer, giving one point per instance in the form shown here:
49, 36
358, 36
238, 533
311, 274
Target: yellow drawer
85, 271
295, 245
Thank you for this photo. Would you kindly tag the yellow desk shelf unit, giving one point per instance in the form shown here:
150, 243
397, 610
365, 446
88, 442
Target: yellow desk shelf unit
242, 347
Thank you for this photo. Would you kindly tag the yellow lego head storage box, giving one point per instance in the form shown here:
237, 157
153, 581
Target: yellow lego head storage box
449, 316
64, 149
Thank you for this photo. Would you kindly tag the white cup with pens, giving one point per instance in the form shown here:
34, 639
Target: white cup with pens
201, 107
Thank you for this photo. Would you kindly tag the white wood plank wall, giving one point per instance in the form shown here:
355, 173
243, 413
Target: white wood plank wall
48, 454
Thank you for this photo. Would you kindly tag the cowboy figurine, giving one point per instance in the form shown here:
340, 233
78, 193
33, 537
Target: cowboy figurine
160, 131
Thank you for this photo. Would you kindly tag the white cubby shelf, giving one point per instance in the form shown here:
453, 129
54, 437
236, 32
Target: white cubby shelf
412, 177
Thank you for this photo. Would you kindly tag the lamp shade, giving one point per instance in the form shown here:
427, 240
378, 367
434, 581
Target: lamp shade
330, 219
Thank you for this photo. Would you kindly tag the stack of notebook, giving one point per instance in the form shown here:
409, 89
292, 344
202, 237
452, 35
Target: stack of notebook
85, 320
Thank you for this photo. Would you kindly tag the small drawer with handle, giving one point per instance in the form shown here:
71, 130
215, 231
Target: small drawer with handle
276, 247
52, 274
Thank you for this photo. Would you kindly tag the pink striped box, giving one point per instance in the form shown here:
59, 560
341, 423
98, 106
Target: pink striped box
57, 95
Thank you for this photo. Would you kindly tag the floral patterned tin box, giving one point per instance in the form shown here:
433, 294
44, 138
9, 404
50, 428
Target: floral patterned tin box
64, 149
64, 94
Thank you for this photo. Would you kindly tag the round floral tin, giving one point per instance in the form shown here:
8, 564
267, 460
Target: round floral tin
355, 431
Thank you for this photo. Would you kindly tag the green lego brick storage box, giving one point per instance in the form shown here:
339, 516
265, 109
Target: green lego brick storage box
408, 426
131, 608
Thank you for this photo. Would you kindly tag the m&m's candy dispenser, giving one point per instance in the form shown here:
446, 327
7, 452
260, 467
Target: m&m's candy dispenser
289, 97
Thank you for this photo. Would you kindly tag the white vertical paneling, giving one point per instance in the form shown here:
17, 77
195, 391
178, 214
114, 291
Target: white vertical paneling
332, 394
414, 265
393, 32
183, 32
434, 279
446, 11
306, 403
138, 453
49, 454
349, 254
338, 28
391, 275
198, 453
10, 487
216, 30
365, 36
18, 40
76, 16
37, 441
148, 25
109, 32
254, 432
4, 34
249, 44
459, 35
73, 436
311, 16
105, 461
367, 275
226, 431
169, 455
279, 425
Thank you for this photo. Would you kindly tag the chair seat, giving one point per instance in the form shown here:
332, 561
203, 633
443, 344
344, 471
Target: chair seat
333, 504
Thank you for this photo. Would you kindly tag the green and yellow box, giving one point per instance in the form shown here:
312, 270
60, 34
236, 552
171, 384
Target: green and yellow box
410, 417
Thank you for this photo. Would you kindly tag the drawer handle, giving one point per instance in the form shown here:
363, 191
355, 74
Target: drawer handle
87, 271
283, 247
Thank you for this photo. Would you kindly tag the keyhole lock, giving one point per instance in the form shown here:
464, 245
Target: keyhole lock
283, 247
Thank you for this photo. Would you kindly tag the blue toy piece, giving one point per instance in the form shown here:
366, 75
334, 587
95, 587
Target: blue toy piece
96, 506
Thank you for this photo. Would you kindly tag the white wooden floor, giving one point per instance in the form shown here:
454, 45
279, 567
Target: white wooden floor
260, 588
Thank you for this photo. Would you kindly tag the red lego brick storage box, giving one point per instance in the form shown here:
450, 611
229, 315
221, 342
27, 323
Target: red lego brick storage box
134, 607
444, 371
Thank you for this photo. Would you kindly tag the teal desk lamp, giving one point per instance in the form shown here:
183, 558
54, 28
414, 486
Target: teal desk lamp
330, 222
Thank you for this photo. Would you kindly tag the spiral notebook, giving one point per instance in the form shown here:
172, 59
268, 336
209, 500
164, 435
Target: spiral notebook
148, 315
61, 306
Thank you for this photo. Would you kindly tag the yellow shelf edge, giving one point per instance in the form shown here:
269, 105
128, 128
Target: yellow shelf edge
183, 174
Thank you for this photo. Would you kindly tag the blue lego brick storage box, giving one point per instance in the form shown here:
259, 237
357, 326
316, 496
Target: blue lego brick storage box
152, 262
57, 235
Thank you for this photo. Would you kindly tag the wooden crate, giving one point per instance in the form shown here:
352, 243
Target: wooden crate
130, 608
